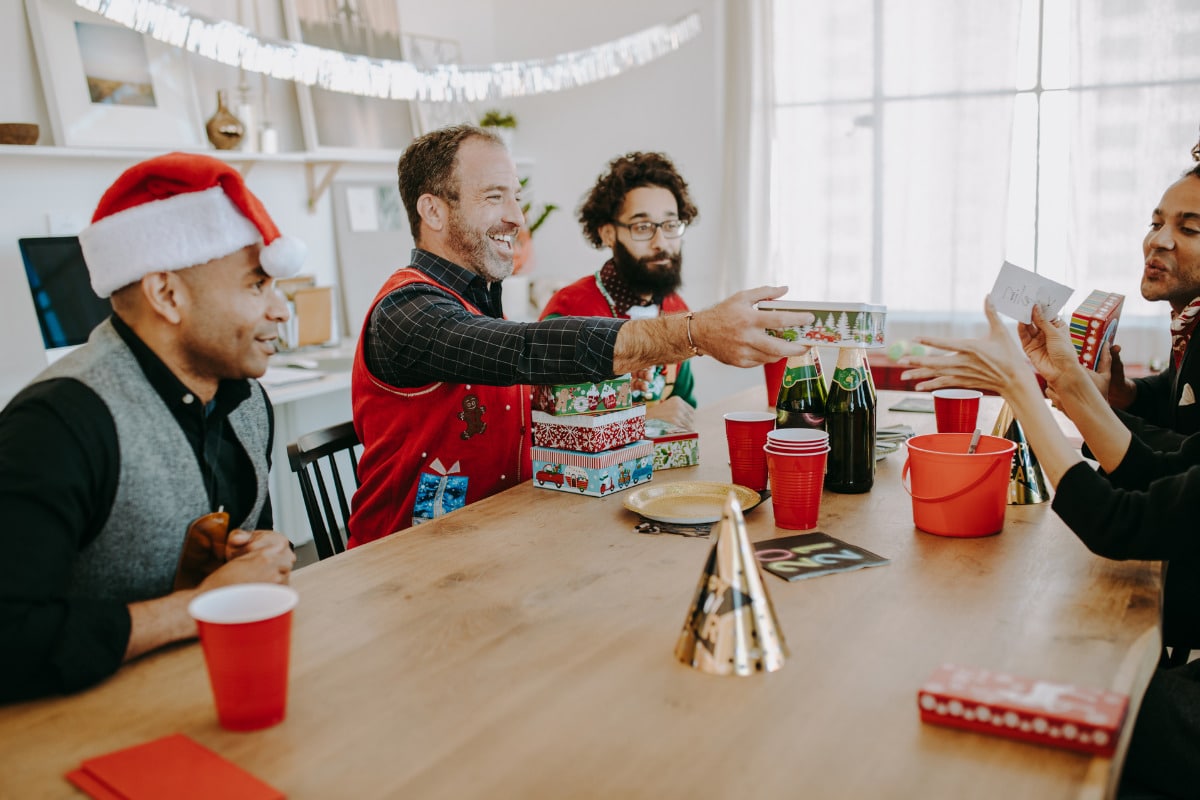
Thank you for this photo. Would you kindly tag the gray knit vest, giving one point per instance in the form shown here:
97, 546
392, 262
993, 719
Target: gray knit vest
160, 488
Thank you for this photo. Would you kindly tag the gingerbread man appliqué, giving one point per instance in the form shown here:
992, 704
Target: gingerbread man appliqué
472, 414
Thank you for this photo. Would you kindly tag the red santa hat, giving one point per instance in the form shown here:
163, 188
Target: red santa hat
176, 211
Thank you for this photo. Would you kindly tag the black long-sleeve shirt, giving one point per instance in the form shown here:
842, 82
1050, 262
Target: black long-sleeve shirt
59, 465
1149, 508
420, 334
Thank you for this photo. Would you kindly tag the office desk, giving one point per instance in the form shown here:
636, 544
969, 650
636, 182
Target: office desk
522, 647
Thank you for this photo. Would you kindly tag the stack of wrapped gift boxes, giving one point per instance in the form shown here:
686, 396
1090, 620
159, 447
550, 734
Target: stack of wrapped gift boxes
590, 438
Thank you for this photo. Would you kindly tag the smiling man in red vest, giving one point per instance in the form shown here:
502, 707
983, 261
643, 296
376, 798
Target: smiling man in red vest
440, 378
639, 209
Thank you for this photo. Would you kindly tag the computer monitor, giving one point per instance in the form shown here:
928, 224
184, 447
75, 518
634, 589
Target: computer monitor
67, 308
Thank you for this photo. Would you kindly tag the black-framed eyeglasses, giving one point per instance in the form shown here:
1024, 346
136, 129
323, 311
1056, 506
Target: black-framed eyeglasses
643, 230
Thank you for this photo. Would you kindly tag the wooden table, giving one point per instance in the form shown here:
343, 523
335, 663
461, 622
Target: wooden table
522, 647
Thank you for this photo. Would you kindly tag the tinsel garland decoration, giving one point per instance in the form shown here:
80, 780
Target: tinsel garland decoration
231, 44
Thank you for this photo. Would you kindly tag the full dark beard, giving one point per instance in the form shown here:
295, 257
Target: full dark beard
644, 279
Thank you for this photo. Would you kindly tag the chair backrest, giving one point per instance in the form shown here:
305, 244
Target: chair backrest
314, 459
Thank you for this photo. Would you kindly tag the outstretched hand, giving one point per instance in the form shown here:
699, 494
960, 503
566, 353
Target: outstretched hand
994, 363
735, 332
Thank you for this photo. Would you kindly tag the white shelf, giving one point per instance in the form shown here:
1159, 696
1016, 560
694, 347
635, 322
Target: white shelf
330, 160
320, 166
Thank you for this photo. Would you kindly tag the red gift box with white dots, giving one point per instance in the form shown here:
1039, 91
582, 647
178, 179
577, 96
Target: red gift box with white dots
1056, 714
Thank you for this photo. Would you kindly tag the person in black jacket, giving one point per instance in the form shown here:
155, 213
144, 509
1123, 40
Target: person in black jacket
1143, 505
1162, 409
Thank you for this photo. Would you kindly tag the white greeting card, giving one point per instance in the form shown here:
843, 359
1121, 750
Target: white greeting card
1017, 290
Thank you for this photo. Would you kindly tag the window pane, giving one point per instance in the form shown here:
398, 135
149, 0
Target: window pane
822, 50
1120, 163
945, 193
1023, 178
1119, 41
948, 45
821, 202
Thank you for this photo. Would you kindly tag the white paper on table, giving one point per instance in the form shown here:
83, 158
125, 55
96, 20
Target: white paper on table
1017, 290
362, 209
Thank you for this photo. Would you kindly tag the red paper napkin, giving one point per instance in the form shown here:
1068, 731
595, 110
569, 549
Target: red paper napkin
173, 766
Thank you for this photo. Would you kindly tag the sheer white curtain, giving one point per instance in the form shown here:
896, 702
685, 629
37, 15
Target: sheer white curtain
1120, 110
749, 126
891, 153
916, 145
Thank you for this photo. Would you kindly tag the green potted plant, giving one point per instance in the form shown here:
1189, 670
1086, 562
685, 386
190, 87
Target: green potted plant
523, 248
501, 123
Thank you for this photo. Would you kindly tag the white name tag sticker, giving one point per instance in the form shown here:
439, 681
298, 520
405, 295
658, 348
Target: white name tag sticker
1017, 290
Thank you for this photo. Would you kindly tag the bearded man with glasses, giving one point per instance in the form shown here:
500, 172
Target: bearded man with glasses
639, 209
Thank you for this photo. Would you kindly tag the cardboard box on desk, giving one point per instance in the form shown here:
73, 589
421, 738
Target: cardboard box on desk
1057, 714
584, 398
673, 446
312, 312
590, 433
1094, 323
593, 474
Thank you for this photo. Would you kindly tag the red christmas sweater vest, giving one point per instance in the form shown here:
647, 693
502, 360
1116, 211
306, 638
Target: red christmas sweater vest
430, 449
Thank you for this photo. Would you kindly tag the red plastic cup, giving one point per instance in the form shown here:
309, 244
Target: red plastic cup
246, 634
774, 371
746, 432
957, 410
796, 484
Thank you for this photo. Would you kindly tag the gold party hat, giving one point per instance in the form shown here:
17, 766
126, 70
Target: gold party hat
731, 627
1026, 482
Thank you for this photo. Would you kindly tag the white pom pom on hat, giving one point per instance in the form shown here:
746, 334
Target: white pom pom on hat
177, 211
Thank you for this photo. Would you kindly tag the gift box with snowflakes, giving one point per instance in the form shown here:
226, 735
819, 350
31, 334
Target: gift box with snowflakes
590, 433
1057, 714
673, 446
593, 474
584, 398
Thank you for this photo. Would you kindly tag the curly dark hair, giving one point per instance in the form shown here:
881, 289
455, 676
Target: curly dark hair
427, 167
624, 174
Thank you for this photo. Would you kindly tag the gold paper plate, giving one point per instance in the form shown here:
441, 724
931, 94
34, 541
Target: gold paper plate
688, 502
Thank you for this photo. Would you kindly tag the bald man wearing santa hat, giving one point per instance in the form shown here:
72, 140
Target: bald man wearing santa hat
110, 455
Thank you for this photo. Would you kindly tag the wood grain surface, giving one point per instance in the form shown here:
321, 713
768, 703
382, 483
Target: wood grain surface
522, 647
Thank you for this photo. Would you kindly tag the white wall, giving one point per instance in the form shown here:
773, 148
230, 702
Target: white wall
674, 105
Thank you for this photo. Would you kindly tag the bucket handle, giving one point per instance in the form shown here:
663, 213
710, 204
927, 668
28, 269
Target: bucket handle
904, 474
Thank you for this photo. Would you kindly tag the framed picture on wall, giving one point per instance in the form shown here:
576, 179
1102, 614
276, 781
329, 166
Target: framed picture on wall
108, 86
332, 120
427, 52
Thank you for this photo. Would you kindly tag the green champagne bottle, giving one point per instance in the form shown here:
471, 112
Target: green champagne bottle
850, 421
802, 394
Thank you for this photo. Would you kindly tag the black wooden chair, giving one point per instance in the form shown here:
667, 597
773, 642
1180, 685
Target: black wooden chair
314, 459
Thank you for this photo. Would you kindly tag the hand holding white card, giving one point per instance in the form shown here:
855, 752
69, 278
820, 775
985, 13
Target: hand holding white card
1017, 290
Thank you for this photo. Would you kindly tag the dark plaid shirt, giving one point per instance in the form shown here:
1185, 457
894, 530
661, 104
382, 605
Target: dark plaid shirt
420, 334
